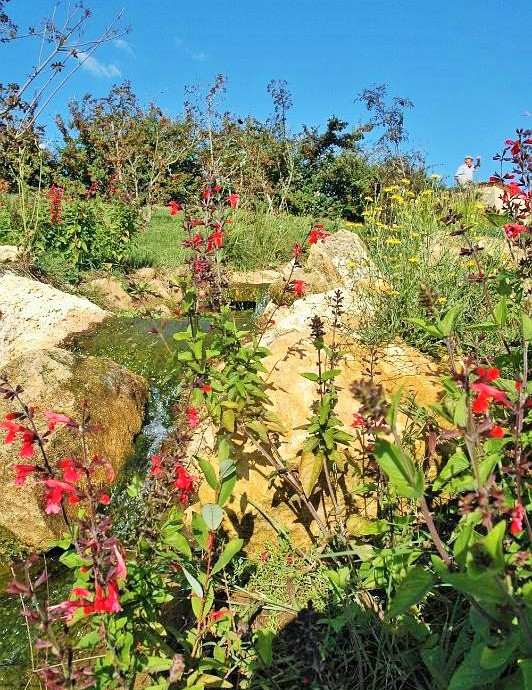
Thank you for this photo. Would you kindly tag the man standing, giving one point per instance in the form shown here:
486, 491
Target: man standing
464, 174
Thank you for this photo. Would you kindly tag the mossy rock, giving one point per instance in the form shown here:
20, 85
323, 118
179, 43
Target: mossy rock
58, 380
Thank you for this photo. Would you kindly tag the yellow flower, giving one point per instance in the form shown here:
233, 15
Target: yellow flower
435, 177
391, 188
368, 198
471, 263
479, 206
398, 198
351, 264
405, 180
393, 240
394, 292
357, 225
442, 300
413, 259
409, 193
426, 192
416, 234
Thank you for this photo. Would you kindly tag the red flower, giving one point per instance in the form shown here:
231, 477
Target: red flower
55, 418
317, 234
490, 392
217, 188
207, 193
156, 467
105, 600
518, 515
184, 481
56, 490
358, 421
71, 472
480, 405
216, 615
215, 241
22, 472
264, 556
195, 242
297, 251
488, 374
513, 230
12, 430
195, 222
105, 499
206, 388
193, 419
298, 286
496, 432
121, 570
27, 450
233, 200
518, 385
174, 207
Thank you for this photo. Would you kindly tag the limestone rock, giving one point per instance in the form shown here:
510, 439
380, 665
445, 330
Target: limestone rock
112, 293
9, 253
34, 315
57, 380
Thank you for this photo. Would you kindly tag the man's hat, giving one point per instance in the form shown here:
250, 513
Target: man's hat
466, 157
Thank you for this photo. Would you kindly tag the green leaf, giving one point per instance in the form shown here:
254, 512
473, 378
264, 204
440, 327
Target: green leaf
427, 327
482, 586
72, 560
460, 411
177, 541
157, 664
228, 484
457, 463
89, 641
260, 429
330, 374
230, 549
195, 585
310, 467
492, 542
526, 329
213, 515
407, 480
310, 376
391, 417
264, 644
210, 474
228, 420
470, 674
447, 323
500, 312
501, 655
412, 589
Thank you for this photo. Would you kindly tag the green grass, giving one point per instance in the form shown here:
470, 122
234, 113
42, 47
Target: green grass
253, 240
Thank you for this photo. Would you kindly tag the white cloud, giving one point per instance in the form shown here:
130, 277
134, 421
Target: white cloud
121, 44
199, 56
97, 68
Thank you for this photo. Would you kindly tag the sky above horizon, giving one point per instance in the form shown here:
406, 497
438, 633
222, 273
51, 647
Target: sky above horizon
466, 65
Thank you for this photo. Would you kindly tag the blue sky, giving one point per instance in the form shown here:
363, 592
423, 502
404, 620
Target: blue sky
466, 64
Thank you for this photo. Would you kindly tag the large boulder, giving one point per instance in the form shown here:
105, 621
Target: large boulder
57, 380
34, 315
292, 397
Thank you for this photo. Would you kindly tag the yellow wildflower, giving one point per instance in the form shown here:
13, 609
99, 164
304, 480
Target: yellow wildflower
409, 193
426, 192
391, 188
471, 263
398, 198
368, 198
393, 240
435, 177
442, 300
405, 180
413, 259
416, 234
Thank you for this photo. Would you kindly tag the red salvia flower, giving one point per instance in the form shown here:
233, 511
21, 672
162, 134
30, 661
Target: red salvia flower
517, 517
193, 419
317, 234
513, 230
215, 241
71, 472
496, 432
298, 287
156, 467
297, 251
22, 473
233, 200
174, 207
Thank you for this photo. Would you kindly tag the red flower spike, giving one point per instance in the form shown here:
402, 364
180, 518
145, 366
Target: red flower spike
156, 467
193, 419
298, 287
174, 207
513, 230
207, 193
317, 234
71, 473
215, 241
517, 517
480, 405
22, 473
233, 200
105, 499
297, 251
206, 388
496, 432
